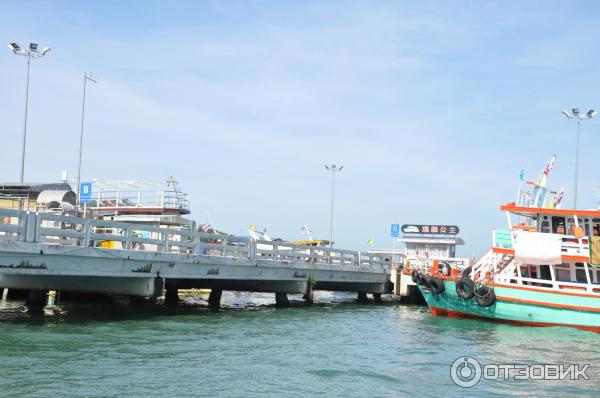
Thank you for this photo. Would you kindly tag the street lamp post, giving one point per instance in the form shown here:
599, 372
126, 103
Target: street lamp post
30, 53
93, 79
579, 117
333, 168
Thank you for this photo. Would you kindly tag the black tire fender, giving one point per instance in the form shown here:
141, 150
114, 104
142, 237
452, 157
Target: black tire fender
437, 285
485, 296
414, 275
465, 288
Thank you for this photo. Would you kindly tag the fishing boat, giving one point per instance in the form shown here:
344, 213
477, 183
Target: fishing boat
543, 270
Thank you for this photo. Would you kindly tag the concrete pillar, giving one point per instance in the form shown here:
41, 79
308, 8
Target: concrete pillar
362, 298
172, 296
309, 296
4, 294
37, 299
121, 302
214, 300
281, 300
377, 297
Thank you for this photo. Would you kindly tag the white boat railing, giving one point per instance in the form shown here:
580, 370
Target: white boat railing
46, 228
571, 245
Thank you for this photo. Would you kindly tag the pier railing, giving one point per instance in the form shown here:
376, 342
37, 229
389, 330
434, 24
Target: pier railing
46, 228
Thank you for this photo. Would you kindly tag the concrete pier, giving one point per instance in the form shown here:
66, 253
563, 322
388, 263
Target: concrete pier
362, 298
214, 299
281, 300
377, 298
37, 299
309, 295
171, 296
43, 251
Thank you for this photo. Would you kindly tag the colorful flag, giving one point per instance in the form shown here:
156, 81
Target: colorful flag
370, 242
252, 227
522, 174
558, 198
205, 227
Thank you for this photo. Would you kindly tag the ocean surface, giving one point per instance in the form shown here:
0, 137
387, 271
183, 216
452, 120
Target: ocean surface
334, 348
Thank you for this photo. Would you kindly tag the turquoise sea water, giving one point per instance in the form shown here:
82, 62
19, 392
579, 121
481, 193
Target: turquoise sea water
249, 348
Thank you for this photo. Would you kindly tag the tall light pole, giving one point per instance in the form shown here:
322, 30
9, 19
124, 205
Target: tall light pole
32, 52
576, 115
333, 168
93, 79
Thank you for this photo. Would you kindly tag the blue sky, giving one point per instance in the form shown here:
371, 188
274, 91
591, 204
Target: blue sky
433, 107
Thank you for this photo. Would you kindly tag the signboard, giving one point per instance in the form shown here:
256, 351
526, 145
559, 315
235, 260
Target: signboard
85, 192
395, 231
430, 229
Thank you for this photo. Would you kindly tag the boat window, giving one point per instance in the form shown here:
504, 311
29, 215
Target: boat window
580, 275
545, 228
545, 272
563, 275
596, 230
558, 225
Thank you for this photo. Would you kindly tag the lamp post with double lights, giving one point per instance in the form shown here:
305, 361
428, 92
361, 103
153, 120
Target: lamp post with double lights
574, 114
31, 53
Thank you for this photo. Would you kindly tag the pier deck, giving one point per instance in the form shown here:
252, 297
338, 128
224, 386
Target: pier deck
43, 251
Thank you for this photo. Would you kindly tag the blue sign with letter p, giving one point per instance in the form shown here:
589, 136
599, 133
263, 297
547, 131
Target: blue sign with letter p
395, 231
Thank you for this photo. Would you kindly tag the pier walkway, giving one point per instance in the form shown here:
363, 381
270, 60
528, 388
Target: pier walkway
44, 251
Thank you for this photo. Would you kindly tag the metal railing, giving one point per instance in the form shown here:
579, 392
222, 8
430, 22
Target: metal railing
46, 228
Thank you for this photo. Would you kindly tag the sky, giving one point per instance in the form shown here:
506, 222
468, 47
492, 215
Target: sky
432, 107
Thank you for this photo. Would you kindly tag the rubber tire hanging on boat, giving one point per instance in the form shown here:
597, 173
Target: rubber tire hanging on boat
426, 281
414, 276
485, 296
437, 285
465, 288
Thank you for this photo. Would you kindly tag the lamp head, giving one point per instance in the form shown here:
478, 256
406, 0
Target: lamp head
14, 47
590, 114
567, 114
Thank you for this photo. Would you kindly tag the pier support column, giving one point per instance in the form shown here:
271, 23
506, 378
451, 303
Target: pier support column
377, 298
281, 300
214, 300
309, 296
172, 297
37, 299
362, 298
4, 294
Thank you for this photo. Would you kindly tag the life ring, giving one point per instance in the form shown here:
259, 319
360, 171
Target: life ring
485, 296
414, 275
465, 288
437, 285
